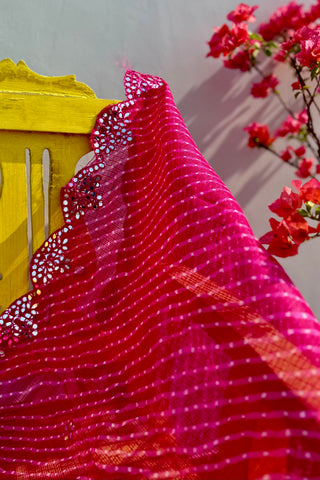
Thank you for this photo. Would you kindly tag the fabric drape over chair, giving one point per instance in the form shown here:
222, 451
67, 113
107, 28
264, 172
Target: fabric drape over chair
160, 340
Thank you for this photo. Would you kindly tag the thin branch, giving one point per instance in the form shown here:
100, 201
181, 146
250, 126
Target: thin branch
314, 94
310, 128
283, 103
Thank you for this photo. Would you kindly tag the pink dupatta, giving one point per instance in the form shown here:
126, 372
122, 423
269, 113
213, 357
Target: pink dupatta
160, 339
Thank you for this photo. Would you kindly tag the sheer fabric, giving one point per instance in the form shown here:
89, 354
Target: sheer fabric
160, 339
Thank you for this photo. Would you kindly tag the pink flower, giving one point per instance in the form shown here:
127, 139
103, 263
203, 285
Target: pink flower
279, 240
280, 56
259, 135
238, 36
300, 151
296, 85
284, 49
309, 40
286, 204
217, 41
242, 13
224, 40
292, 125
302, 116
286, 155
240, 60
310, 191
263, 88
272, 81
313, 13
304, 169
267, 31
298, 227
287, 17
318, 168
286, 236
259, 90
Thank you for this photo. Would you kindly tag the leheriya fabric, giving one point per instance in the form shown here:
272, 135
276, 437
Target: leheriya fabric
160, 340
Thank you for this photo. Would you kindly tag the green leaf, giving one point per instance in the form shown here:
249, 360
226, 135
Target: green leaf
303, 212
296, 95
256, 36
255, 53
309, 205
314, 72
268, 52
272, 45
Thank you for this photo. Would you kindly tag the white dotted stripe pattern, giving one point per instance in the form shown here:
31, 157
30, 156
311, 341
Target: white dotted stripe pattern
132, 373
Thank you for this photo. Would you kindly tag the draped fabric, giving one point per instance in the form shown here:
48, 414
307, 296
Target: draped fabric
160, 340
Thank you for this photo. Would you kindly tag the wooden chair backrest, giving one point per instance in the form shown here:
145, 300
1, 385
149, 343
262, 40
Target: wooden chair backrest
45, 124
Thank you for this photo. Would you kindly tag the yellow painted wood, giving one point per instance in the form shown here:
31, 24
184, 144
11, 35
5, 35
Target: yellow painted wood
18, 77
35, 145
37, 113
32, 102
13, 218
65, 151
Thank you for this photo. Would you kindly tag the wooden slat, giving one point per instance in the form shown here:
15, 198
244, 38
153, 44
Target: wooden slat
37, 113
37, 198
13, 218
44, 113
65, 151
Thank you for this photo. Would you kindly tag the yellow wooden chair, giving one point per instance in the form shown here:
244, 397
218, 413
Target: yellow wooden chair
45, 124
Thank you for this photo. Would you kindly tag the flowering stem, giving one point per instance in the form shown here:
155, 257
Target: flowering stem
310, 128
283, 103
314, 93
292, 163
315, 153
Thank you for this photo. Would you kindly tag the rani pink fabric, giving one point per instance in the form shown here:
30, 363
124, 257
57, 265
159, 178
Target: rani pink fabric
160, 339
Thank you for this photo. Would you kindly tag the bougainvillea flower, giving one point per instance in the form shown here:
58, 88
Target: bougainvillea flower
300, 151
259, 135
259, 90
285, 48
238, 36
309, 40
286, 204
272, 81
242, 13
239, 61
313, 13
217, 41
263, 88
296, 85
286, 154
302, 116
279, 240
280, 56
224, 41
298, 227
304, 169
292, 125
286, 17
310, 191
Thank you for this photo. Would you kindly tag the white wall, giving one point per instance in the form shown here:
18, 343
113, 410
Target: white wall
167, 38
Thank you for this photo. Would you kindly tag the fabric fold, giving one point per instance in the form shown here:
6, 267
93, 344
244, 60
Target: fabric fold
160, 339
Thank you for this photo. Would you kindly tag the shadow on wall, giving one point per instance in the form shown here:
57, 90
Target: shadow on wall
215, 113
